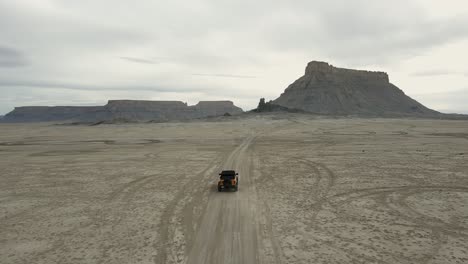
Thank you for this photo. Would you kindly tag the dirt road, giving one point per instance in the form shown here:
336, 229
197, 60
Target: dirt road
227, 232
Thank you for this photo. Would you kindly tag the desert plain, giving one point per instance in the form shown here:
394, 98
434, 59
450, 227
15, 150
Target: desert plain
312, 190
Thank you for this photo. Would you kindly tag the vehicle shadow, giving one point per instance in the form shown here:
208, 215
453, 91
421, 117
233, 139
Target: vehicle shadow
214, 188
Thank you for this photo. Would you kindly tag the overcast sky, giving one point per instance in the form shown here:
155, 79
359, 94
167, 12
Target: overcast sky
66, 52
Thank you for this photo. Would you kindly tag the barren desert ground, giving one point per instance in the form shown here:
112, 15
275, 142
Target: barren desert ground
311, 191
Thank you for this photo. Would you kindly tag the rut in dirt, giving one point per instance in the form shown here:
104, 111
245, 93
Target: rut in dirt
232, 229
227, 232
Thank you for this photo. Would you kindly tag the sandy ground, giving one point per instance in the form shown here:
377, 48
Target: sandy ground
311, 191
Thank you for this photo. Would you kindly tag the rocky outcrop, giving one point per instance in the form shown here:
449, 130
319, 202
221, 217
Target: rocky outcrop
265, 107
45, 113
146, 110
128, 110
325, 89
215, 108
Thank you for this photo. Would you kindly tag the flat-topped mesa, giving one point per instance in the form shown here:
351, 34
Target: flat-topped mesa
326, 69
140, 110
128, 110
215, 108
143, 104
137, 105
48, 113
55, 108
215, 103
326, 89
318, 66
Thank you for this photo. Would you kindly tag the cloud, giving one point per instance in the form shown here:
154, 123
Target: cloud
225, 75
431, 73
365, 32
139, 60
37, 85
446, 102
10, 57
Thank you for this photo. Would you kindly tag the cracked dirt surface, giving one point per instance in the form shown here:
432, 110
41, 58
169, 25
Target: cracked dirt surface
311, 191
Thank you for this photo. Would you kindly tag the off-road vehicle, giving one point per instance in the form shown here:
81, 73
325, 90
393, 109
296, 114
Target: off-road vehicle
228, 180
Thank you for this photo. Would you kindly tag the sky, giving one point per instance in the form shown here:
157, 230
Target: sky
65, 52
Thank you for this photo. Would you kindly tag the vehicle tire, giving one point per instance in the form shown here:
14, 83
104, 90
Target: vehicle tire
219, 189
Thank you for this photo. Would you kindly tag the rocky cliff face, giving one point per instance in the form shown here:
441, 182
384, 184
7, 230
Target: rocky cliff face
146, 110
326, 89
214, 108
45, 113
129, 110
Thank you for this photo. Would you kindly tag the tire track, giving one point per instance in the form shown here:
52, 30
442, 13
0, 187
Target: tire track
230, 230
325, 181
169, 250
394, 199
270, 250
123, 198
96, 221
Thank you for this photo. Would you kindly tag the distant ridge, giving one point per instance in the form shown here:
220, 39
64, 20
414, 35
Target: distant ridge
123, 110
325, 89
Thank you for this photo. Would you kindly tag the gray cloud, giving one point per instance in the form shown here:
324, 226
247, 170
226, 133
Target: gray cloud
363, 32
225, 75
446, 102
139, 60
432, 73
11, 57
96, 87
